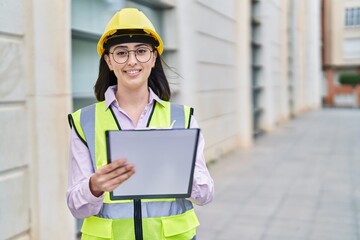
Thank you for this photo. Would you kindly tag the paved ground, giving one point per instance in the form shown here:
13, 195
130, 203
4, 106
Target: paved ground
299, 182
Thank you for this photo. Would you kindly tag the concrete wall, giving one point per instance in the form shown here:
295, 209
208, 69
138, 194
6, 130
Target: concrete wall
313, 68
49, 103
284, 105
14, 113
271, 13
34, 102
337, 13
244, 109
298, 51
208, 62
304, 35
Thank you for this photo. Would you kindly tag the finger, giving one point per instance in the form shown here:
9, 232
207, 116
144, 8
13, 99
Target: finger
101, 178
111, 166
114, 183
121, 170
119, 162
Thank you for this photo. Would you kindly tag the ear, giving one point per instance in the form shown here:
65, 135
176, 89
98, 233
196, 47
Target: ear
154, 59
108, 61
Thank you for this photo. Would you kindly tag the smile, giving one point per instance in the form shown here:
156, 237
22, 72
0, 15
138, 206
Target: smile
131, 72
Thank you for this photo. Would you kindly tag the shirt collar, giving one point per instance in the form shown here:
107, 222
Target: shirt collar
110, 96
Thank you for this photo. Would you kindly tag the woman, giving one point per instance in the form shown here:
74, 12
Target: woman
133, 92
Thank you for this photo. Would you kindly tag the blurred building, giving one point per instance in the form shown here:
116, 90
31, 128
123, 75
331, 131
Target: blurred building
341, 45
246, 66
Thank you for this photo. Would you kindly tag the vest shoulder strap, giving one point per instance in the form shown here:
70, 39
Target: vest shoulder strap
83, 121
74, 122
170, 114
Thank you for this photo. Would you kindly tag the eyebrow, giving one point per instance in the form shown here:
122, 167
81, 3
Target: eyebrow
137, 45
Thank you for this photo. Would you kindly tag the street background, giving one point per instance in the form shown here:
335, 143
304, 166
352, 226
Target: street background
299, 182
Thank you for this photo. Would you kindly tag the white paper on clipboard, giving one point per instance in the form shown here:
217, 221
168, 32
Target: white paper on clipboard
164, 161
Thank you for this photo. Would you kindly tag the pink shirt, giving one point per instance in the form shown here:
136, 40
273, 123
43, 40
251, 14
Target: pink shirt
80, 200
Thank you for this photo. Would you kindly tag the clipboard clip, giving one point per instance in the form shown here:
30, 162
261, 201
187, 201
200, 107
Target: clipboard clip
172, 124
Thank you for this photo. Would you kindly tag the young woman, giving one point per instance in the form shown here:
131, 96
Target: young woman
133, 92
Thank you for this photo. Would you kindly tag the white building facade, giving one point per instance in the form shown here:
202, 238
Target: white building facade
245, 66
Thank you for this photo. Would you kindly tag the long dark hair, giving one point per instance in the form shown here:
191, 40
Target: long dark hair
157, 80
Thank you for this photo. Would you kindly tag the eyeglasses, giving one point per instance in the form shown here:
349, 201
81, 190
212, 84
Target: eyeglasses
121, 55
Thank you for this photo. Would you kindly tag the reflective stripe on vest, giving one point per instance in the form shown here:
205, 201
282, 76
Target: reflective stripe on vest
150, 209
177, 115
87, 121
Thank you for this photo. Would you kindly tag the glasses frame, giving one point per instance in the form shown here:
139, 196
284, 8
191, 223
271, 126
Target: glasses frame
128, 54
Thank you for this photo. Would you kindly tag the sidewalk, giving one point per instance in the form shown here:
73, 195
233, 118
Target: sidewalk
299, 182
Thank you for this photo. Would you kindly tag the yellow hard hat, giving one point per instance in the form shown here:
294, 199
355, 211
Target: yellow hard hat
129, 19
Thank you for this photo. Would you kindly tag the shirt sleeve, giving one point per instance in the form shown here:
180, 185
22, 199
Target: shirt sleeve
81, 202
203, 184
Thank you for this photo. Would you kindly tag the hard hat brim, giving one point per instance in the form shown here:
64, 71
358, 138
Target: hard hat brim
158, 44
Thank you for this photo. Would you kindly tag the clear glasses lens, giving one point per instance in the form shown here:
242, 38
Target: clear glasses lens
142, 54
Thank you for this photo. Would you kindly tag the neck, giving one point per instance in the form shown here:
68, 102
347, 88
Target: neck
132, 99
133, 102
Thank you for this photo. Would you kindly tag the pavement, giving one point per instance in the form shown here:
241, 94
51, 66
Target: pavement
300, 181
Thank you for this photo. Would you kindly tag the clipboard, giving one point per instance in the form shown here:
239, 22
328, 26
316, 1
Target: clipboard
164, 162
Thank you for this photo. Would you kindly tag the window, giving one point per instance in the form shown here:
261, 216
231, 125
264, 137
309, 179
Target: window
352, 17
351, 48
88, 20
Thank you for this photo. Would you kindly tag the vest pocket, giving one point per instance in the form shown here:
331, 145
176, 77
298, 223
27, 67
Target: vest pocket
180, 227
91, 237
95, 228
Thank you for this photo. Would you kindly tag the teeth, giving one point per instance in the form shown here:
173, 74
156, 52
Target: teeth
133, 71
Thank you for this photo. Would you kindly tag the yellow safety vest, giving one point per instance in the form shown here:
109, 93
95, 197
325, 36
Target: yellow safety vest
161, 219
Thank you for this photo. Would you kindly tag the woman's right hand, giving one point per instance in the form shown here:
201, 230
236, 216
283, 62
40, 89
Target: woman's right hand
108, 177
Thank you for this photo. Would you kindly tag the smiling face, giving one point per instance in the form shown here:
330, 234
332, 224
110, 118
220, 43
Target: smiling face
123, 60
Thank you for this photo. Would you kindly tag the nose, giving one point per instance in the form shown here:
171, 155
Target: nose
132, 58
